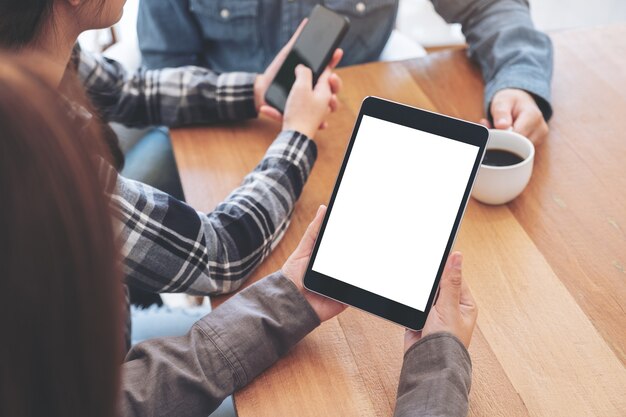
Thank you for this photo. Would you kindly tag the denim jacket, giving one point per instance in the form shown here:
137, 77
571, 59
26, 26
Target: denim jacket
245, 35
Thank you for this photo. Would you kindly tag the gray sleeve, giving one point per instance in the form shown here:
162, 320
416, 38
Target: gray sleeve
503, 41
192, 374
435, 379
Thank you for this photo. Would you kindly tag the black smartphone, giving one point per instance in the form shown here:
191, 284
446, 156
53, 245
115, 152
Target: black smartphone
314, 48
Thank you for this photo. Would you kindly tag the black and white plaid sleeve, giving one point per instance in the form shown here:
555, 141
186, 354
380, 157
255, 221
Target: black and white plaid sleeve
165, 97
167, 246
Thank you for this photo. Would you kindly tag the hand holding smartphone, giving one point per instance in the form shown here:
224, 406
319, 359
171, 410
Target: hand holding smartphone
313, 48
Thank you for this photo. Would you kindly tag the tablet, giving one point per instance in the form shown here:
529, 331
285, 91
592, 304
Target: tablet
395, 210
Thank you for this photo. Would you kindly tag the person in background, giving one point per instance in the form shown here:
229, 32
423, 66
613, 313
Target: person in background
166, 245
244, 35
61, 309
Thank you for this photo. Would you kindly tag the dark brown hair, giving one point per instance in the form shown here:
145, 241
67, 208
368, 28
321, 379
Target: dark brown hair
21, 20
60, 290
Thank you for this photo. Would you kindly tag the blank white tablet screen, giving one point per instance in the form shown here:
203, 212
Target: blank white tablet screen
394, 211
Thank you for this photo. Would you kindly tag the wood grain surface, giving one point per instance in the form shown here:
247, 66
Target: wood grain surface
548, 270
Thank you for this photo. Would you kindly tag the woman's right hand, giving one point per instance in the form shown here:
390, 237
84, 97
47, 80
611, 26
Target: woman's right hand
307, 106
455, 310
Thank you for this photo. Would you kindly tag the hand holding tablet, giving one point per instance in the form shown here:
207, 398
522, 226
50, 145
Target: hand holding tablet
295, 267
455, 310
395, 210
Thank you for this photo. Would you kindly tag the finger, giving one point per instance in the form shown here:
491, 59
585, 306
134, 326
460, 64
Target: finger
450, 285
410, 333
502, 112
468, 307
271, 113
335, 83
539, 134
333, 103
485, 123
308, 240
410, 338
323, 84
295, 35
531, 124
466, 299
282, 54
527, 121
336, 58
304, 77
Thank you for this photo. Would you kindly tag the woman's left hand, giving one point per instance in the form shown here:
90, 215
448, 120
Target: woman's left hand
295, 267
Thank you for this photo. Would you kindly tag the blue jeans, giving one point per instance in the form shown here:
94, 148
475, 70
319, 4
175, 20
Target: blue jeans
151, 161
164, 321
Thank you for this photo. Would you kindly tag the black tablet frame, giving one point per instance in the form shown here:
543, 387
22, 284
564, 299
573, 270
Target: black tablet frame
426, 121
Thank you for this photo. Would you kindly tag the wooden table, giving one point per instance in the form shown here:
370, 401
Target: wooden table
548, 270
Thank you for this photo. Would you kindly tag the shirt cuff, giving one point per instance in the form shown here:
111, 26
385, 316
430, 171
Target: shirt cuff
235, 96
296, 149
435, 378
527, 79
260, 324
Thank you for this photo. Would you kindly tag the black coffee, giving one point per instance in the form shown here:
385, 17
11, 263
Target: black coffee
501, 158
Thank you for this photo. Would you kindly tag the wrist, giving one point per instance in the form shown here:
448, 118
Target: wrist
305, 130
308, 296
433, 337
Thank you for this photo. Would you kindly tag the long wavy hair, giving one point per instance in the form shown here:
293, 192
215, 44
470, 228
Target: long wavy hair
60, 288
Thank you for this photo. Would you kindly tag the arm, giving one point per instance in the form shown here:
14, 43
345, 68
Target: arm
437, 371
170, 97
168, 34
503, 41
184, 95
191, 375
435, 379
169, 247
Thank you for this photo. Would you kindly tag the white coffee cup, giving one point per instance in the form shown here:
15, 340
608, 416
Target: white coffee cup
501, 184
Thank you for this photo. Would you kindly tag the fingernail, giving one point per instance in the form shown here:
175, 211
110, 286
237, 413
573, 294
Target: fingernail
502, 121
457, 261
319, 209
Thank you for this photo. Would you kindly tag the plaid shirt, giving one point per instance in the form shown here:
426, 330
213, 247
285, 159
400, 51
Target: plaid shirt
167, 246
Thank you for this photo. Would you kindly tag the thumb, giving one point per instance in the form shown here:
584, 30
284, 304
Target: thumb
450, 285
337, 55
297, 33
304, 77
271, 112
502, 111
323, 82
310, 235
